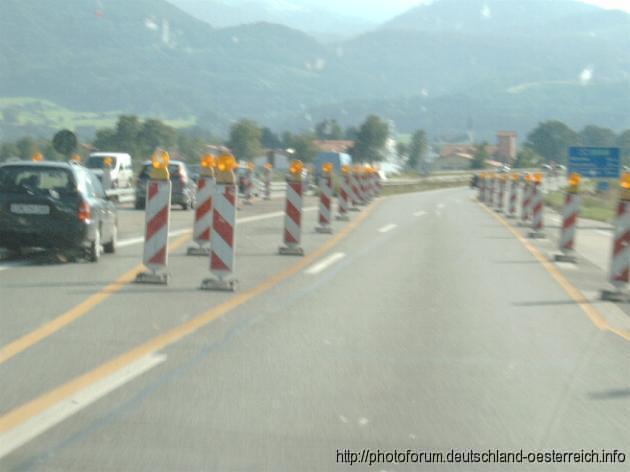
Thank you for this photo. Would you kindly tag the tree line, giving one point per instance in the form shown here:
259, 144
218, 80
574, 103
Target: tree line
247, 139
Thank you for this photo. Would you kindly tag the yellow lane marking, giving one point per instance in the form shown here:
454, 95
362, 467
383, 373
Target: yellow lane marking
575, 294
35, 336
42, 403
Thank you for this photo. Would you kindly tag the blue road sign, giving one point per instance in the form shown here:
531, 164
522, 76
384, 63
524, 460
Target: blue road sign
595, 162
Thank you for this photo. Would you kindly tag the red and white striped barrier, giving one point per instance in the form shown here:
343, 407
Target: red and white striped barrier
157, 217
293, 211
570, 212
513, 193
537, 206
222, 238
344, 194
325, 200
620, 263
526, 200
493, 190
480, 185
267, 181
355, 198
249, 184
203, 211
501, 193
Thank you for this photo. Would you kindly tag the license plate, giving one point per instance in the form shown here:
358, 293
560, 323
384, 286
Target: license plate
23, 209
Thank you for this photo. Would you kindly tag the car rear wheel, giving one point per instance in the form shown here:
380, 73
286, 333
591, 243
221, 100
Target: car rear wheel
93, 253
139, 205
110, 247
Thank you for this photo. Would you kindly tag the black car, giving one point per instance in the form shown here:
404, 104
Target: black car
55, 205
474, 181
183, 190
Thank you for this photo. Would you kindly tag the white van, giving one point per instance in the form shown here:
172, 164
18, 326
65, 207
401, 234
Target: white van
121, 170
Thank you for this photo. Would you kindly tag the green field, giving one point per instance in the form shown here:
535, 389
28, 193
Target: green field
593, 206
39, 112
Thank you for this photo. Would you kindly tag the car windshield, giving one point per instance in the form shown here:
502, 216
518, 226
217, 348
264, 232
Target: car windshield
98, 162
36, 180
396, 235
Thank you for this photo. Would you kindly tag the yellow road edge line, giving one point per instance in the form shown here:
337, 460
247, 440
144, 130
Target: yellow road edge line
30, 339
574, 293
45, 401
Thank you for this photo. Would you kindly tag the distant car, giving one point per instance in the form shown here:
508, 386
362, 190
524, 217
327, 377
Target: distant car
121, 169
195, 171
183, 190
241, 173
546, 167
55, 205
504, 169
474, 181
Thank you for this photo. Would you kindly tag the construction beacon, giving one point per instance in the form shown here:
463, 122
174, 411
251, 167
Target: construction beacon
292, 235
223, 233
157, 217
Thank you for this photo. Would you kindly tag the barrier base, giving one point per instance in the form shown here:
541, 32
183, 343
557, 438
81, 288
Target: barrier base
355, 209
324, 229
510, 217
152, 278
616, 295
290, 251
247, 202
266, 198
536, 235
565, 258
198, 251
342, 218
219, 284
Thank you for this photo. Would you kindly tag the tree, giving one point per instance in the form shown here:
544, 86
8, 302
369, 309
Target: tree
328, 129
526, 157
623, 142
303, 146
26, 148
245, 139
8, 150
269, 139
370, 140
402, 149
154, 134
597, 136
480, 157
417, 148
351, 133
551, 140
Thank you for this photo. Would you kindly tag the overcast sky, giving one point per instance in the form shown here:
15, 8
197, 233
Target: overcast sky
389, 8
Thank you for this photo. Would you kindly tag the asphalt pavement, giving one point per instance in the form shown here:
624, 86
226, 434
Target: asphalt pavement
427, 323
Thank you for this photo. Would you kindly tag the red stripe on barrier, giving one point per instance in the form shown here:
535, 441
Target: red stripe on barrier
288, 237
154, 187
293, 213
159, 257
205, 236
223, 228
216, 263
157, 223
203, 209
569, 221
230, 194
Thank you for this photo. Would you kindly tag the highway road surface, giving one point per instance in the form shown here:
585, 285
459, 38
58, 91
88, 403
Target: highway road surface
425, 324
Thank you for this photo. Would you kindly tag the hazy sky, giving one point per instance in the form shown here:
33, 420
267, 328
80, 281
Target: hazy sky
394, 7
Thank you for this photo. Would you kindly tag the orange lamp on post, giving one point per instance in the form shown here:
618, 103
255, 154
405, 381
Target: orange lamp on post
225, 166
296, 169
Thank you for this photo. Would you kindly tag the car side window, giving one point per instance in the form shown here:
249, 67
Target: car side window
97, 188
